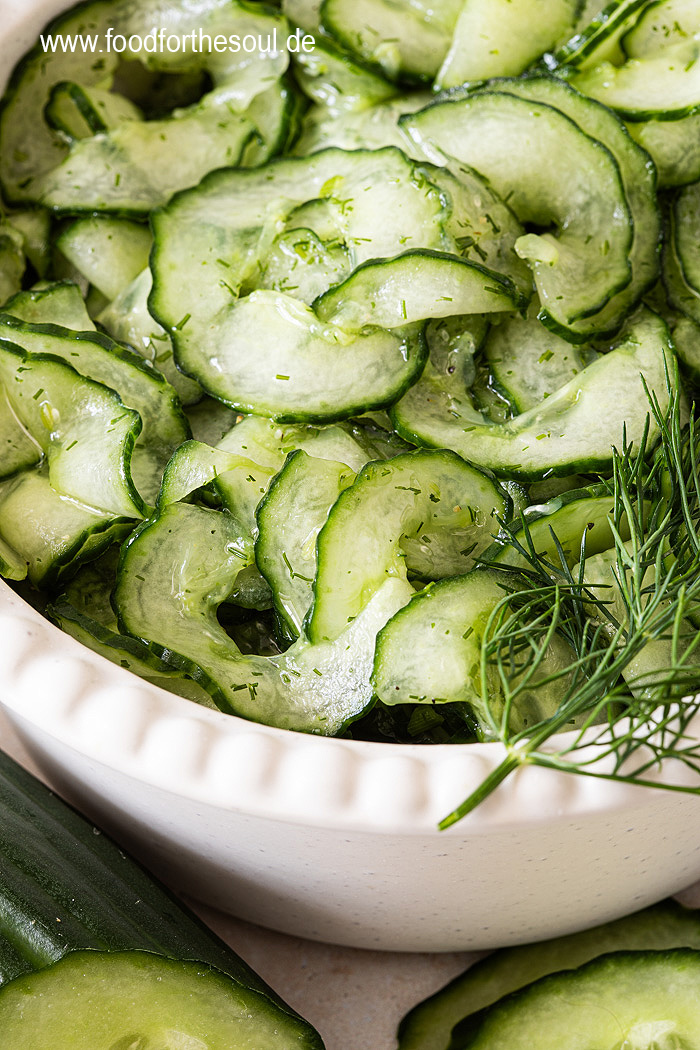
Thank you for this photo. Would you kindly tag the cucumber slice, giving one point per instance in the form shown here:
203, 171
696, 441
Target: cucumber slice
59, 303
79, 112
673, 145
496, 38
528, 362
128, 320
512, 141
640, 999
415, 286
662, 24
109, 252
597, 34
53, 534
84, 611
12, 261
174, 573
638, 181
410, 39
86, 433
428, 1025
214, 307
101, 1000
426, 512
586, 512
339, 83
12, 564
576, 428
289, 519
140, 388
665, 86
430, 653
211, 132
130, 170
686, 235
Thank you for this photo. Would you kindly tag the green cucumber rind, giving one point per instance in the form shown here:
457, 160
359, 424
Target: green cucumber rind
57, 865
428, 1025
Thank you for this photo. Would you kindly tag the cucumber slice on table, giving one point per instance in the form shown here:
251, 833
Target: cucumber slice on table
64, 888
625, 999
429, 1024
103, 1000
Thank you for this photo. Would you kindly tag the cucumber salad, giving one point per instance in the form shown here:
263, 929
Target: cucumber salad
349, 388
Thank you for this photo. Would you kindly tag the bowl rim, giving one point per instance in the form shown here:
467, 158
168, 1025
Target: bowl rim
58, 692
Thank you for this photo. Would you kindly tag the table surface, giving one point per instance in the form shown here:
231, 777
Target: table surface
354, 998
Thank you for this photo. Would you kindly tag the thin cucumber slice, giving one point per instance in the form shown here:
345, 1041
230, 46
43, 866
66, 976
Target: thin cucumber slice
596, 35
442, 398
84, 611
86, 433
78, 113
53, 534
528, 362
370, 128
576, 428
338, 82
426, 512
59, 303
662, 24
415, 286
686, 340
24, 157
26, 168
512, 141
128, 320
681, 297
174, 573
12, 261
141, 154
634, 998
109, 252
673, 145
98, 358
34, 226
289, 519
638, 181
401, 39
428, 1025
686, 234
101, 1000
214, 308
559, 526
496, 38
19, 449
12, 565
430, 653
664, 86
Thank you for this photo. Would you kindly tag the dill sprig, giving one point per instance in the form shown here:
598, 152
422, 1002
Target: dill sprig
628, 694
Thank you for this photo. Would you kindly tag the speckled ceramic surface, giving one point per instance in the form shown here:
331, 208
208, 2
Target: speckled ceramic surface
333, 840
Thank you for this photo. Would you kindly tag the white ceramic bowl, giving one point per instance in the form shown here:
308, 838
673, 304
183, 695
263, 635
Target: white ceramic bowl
330, 839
